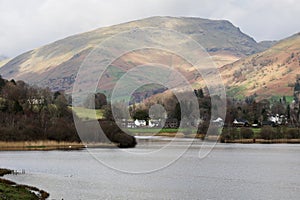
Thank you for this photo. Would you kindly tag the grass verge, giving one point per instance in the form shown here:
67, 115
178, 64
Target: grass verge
88, 114
159, 130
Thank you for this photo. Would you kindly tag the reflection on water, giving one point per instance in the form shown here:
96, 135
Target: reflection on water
230, 171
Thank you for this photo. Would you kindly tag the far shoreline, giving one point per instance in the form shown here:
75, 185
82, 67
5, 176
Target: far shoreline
77, 146
239, 141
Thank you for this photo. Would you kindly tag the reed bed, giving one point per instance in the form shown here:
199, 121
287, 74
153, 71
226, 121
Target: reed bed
40, 145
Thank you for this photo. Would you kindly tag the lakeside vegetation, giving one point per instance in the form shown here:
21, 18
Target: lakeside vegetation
266, 134
30, 113
40, 145
33, 118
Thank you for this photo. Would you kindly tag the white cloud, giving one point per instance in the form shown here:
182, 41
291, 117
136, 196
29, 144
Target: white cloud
25, 25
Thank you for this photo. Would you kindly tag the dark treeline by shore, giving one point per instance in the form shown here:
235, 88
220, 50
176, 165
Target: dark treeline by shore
30, 113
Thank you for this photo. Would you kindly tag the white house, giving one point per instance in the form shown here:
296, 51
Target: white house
140, 123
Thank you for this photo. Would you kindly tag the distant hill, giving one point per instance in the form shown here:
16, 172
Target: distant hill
55, 65
268, 73
267, 44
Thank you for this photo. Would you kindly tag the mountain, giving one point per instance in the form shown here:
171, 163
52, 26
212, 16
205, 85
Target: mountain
266, 74
55, 65
267, 44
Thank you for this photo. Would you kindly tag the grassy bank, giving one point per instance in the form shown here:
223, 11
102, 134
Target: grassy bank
39, 145
88, 114
159, 130
180, 135
166, 132
12, 191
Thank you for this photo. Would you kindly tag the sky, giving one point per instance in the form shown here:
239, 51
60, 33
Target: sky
28, 24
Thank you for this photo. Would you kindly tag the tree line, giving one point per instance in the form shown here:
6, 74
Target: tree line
29, 113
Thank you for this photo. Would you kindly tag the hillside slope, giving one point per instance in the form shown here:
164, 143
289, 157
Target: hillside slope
55, 65
269, 73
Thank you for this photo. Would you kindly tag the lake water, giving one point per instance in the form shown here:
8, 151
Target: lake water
230, 171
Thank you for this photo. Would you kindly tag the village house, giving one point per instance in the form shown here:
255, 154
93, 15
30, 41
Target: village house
36, 101
129, 123
140, 123
155, 123
126, 123
240, 123
218, 122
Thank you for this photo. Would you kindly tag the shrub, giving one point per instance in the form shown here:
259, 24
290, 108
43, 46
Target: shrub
225, 135
247, 133
279, 132
267, 133
292, 133
229, 134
